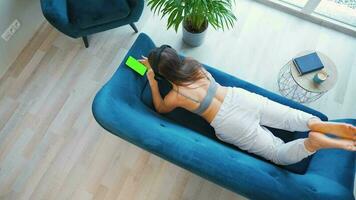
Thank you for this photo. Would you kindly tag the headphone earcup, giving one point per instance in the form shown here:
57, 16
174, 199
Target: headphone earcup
156, 61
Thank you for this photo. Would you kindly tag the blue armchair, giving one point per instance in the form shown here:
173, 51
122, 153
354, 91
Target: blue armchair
124, 107
82, 18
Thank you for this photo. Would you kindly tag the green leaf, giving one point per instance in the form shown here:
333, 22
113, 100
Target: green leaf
218, 13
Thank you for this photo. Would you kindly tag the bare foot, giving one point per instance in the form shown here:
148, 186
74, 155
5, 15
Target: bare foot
318, 141
343, 130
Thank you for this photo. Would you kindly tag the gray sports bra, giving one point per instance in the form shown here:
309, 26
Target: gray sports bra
210, 94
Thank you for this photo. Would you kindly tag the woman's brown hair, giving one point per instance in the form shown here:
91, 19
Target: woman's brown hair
174, 69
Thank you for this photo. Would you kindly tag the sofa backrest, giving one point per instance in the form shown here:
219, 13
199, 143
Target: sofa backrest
91, 13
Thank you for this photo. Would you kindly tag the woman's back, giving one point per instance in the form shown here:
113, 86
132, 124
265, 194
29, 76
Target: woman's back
191, 97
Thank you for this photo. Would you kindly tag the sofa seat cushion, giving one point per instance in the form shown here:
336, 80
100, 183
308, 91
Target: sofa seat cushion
89, 13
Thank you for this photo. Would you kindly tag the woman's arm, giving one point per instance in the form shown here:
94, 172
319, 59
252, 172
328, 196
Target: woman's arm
161, 105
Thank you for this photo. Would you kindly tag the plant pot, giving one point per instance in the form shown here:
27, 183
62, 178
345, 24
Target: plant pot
193, 39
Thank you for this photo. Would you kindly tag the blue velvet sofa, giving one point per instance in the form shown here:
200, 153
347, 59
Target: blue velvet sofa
124, 108
80, 18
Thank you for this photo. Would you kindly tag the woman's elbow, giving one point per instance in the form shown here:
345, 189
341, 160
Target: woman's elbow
164, 109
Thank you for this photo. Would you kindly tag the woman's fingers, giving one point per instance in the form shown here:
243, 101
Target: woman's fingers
143, 59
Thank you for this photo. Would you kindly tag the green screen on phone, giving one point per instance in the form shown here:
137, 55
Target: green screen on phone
136, 65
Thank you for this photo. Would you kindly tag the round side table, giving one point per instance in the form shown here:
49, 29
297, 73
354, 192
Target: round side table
302, 88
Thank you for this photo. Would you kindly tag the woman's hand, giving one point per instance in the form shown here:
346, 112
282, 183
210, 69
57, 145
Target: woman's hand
151, 77
145, 62
150, 73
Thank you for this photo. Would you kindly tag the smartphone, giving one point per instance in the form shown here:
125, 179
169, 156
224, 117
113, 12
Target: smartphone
136, 65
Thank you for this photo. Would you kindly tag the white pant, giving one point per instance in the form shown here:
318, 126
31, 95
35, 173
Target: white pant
241, 120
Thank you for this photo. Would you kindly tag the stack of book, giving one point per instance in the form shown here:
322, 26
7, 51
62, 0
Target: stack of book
308, 63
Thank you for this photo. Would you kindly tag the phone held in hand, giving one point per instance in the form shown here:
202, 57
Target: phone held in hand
136, 65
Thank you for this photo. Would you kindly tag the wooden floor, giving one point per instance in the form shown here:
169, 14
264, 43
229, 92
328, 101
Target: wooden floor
52, 148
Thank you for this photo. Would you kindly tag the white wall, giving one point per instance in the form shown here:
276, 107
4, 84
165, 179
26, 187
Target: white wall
28, 12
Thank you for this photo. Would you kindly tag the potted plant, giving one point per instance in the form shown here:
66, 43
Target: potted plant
195, 15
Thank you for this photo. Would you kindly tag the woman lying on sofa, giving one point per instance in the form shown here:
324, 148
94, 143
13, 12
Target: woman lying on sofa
239, 116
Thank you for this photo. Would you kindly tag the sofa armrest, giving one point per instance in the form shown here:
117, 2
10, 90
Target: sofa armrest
56, 12
335, 164
331, 173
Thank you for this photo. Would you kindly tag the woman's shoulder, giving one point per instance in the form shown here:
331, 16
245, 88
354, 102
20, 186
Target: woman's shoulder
207, 73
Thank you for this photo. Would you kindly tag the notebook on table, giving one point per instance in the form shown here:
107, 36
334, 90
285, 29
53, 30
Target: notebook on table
308, 63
